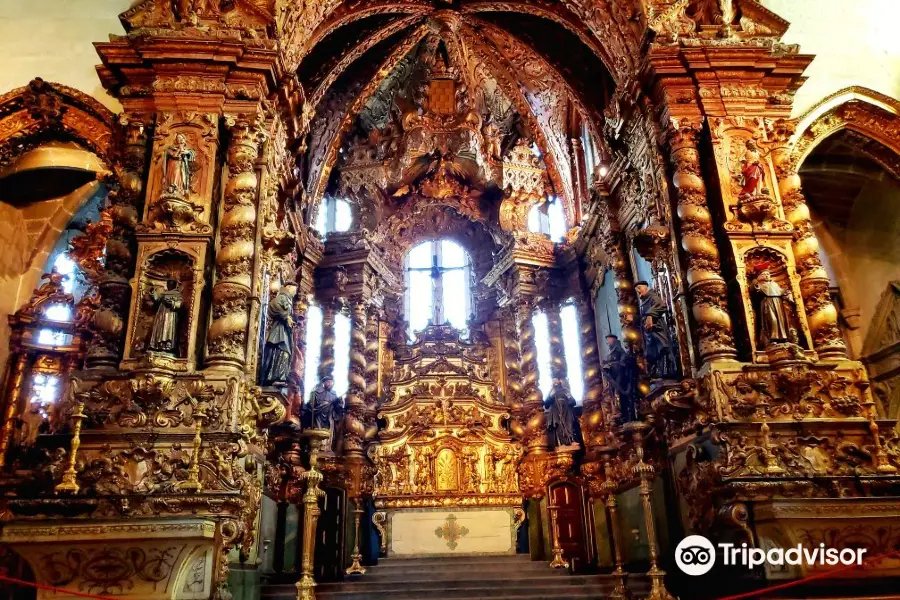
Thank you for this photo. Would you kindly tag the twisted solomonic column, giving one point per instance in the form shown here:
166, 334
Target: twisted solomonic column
512, 360
326, 352
227, 340
355, 405
707, 288
124, 205
821, 313
531, 414
373, 345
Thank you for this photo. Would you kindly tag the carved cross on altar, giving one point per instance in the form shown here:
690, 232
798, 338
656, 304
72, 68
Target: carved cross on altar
451, 532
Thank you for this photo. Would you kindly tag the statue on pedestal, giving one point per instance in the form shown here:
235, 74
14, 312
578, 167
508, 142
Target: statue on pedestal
164, 334
658, 346
324, 405
620, 370
560, 416
279, 340
177, 168
753, 174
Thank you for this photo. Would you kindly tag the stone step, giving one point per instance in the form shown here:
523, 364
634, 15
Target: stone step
441, 580
553, 591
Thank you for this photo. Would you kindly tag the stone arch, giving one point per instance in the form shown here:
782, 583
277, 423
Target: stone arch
851, 244
860, 109
41, 111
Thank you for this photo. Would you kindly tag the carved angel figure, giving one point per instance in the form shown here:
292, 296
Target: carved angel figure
177, 167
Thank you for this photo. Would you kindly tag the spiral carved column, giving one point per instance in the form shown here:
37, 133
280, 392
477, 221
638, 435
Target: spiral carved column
227, 340
326, 355
557, 350
354, 418
512, 360
124, 207
821, 313
532, 411
707, 287
372, 363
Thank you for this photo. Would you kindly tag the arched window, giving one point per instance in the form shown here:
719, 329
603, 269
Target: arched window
571, 338
438, 285
334, 216
60, 312
548, 218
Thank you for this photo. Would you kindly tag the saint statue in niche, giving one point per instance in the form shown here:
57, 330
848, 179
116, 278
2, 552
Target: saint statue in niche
177, 168
753, 173
620, 370
168, 303
658, 346
773, 325
560, 416
278, 350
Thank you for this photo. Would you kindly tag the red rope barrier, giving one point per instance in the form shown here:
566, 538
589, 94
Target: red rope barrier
796, 582
53, 589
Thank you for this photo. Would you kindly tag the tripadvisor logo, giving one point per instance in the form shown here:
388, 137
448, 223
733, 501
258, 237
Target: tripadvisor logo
696, 555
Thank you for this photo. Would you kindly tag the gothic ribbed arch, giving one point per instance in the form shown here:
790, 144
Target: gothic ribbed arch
558, 14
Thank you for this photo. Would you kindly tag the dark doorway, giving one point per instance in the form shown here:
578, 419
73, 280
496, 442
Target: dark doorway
330, 536
570, 526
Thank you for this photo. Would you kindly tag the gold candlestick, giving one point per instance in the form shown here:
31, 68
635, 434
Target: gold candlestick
620, 591
645, 472
192, 483
306, 585
558, 560
356, 568
69, 483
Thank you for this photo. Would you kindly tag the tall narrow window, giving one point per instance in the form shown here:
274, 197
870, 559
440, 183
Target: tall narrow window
313, 349
341, 353
544, 361
438, 285
572, 346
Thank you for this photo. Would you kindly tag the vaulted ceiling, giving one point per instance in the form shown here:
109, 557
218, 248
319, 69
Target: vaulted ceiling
533, 70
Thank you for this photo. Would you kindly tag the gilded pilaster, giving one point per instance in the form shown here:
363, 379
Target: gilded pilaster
705, 283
